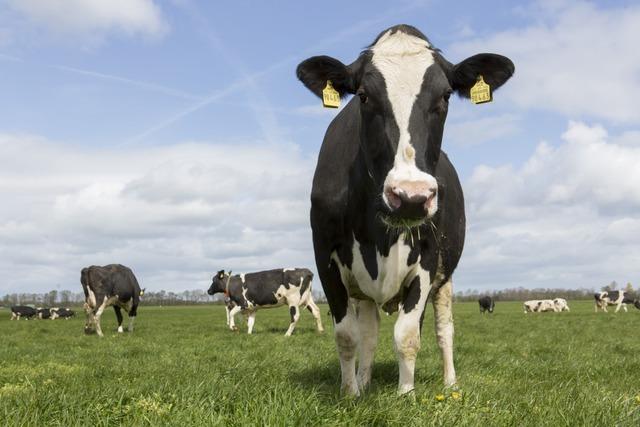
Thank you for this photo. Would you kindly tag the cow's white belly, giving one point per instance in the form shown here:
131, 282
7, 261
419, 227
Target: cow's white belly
393, 272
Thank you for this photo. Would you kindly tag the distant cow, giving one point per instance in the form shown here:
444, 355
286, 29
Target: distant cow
266, 289
486, 304
18, 311
114, 285
617, 298
539, 306
561, 304
62, 313
43, 313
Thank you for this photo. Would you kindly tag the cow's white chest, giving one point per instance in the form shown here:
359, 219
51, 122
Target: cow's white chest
393, 272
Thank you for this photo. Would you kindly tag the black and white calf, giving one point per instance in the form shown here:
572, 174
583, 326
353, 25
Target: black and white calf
265, 289
387, 210
486, 304
113, 284
617, 298
22, 311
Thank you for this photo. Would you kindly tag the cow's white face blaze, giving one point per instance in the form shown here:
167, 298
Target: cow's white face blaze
402, 60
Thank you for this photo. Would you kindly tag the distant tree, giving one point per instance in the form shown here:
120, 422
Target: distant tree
628, 288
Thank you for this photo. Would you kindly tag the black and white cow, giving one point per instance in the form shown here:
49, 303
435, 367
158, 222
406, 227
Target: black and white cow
62, 313
387, 210
617, 298
265, 289
486, 304
43, 313
19, 311
113, 284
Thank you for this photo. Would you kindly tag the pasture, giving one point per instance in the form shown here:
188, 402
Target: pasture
182, 366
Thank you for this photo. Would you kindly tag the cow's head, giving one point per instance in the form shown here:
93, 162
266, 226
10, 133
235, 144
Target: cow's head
403, 85
218, 283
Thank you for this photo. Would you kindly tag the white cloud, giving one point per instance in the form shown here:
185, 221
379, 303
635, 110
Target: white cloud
577, 59
568, 217
467, 132
174, 214
92, 18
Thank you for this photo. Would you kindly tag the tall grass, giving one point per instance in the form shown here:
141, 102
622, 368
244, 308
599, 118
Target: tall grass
183, 367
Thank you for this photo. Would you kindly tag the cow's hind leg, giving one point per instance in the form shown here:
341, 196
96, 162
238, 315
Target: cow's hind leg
315, 312
132, 316
119, 317
444, 329
294, 310
368, 322
406, 332
251, 319
232, 317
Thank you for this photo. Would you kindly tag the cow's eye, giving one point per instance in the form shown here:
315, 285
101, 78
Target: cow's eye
363, 96
447, 95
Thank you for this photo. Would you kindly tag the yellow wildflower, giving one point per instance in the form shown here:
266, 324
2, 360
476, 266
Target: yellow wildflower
439, 397
455, 395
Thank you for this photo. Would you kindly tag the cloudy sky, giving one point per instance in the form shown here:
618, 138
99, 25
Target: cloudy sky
173, 137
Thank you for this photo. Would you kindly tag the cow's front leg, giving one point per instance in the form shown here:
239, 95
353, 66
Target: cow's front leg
443, 316
406, 332
368, 323
347, 340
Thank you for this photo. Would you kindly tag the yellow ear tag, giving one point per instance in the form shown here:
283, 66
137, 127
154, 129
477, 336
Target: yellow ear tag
330, 96
480, 92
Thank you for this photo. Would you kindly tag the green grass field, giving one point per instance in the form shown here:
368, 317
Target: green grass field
183, 367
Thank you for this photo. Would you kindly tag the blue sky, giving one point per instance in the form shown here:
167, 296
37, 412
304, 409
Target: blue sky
173, 136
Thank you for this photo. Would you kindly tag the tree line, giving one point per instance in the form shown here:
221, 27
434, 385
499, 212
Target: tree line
198, 296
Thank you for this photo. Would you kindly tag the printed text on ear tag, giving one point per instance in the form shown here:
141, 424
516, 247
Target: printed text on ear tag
330, 96
480, 92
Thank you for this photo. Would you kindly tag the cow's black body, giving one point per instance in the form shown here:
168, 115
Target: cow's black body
271, 288
486, 304
113, 284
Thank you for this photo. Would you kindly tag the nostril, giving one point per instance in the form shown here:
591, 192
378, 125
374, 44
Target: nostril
394, 197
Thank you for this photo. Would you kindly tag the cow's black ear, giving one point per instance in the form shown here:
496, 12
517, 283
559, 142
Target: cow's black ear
494, 69
317, 70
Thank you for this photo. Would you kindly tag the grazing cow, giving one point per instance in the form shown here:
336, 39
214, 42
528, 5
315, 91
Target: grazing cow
63, 313
114, 285
539, 306
18, 311
617, 298
387, 210
561, 304
486, 304
43, 313
266, 289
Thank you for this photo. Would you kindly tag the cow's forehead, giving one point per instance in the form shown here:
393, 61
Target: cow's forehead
402, 59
